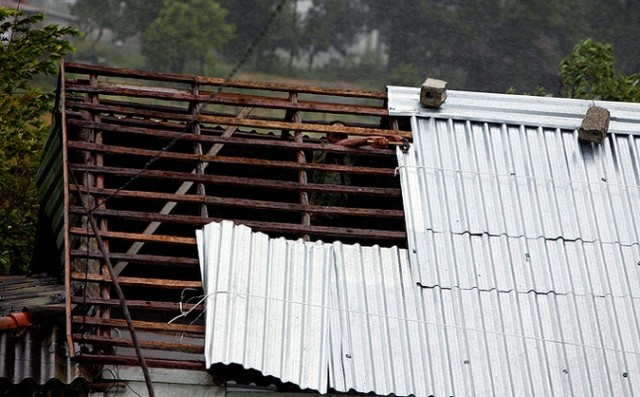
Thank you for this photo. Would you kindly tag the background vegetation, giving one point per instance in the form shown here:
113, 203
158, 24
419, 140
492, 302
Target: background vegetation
545, 47
474, 45
26, 52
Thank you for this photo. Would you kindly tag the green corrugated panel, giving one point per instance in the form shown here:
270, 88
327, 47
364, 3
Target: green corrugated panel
50, 182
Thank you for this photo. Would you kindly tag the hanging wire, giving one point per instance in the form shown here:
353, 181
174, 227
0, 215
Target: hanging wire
194, 118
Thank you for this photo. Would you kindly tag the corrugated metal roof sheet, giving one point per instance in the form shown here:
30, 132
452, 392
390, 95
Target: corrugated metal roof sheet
536, 111
467, 178
523, 278
321, 316
346, 317
526, 243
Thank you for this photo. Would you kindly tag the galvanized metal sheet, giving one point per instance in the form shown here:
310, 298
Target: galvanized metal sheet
267, 303
345, 317
531, 182
322, 316
525, 243
547, 112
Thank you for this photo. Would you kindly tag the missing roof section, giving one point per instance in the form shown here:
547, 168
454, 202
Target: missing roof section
158, 155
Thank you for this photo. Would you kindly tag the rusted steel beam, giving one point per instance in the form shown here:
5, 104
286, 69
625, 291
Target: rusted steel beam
141, 304
147, 325
133, 361
79, 68
265, 141
137, 281
145, 259
287, 228
235, 181
147, 238
299, 166
145, 344
245, 203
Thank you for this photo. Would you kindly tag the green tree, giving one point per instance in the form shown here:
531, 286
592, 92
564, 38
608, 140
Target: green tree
124, 18
26, 52
249, 17
185, 34
589, 72
332, 25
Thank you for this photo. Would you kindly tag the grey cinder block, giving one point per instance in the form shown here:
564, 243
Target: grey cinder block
433, 92
595, 125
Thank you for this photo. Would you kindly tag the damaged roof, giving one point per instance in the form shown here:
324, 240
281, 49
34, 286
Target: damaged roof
155, 156
521, 275
325, 317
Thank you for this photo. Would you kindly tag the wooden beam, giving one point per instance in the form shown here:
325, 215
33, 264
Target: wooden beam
145, 344
236, 202
79, 68
146, 325
212, 159
157, 260
137, 281
284, 228
139, 304
102, 359
235, 181
161, 132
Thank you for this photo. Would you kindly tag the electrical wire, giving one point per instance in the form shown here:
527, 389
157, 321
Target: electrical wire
194, 119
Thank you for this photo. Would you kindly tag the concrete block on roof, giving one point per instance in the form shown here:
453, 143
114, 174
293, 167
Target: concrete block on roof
433, 92
595, 125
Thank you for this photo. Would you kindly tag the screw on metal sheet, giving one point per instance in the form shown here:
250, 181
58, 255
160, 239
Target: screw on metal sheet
348, 355
527, 256
566, 371
624, 374
466, 361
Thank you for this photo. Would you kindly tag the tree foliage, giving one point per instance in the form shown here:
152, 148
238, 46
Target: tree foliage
484, 46
331, 27
249, 17
124, 18
589, 72
26, 52
185, 33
